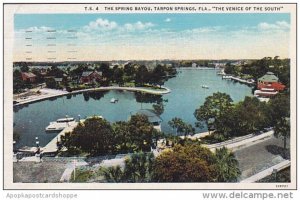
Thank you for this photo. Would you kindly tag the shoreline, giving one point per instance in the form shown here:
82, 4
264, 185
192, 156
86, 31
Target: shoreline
64, 93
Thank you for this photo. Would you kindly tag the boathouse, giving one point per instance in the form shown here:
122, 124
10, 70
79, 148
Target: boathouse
153, 118
270, 81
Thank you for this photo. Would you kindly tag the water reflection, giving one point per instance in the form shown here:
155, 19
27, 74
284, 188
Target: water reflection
96, 95
147, 98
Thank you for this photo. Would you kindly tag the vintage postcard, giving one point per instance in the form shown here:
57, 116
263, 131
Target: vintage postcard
150, 96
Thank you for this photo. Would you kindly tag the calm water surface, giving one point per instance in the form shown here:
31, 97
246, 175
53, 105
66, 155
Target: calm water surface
186, 95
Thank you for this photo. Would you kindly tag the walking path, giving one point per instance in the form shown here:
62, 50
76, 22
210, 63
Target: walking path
50, 93
284, 164
66, 176
241, 142
259, 157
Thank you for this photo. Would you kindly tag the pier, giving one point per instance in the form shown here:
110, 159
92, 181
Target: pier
247, 82
51, 147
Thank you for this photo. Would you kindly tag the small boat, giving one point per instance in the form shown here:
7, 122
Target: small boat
113, 100
226, 77
60, 124
205, 86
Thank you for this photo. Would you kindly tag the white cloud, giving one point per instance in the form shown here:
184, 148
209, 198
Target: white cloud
279, 25
39, 29
167, 20
105, 25
101, 24
138, 26
204, 30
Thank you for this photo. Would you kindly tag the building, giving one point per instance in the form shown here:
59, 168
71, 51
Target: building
28, 76
89, 77
270, 81
58, 80
153, 118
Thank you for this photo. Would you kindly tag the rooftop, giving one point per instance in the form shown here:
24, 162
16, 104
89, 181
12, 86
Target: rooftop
88, 73
152, 117
269, 77
28, 74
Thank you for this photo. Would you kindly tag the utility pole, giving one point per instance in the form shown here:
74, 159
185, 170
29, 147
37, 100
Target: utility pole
74, 165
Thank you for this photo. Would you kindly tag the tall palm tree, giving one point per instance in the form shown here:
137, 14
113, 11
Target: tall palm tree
227, 166
138, 168
113, 174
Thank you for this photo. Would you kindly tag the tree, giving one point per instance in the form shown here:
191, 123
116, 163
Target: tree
191, 163
113, 174
282, 129
158, 108
138, 168
229, 69
250, 116
18, 83
51, 83
212, 108
106, 71
39, 77
125, 139
118, 76
56, 72
158, 75
94, 136
279, 107
24, 68
142, 75
181, 126
227, 166
135, 135
77, 72
142, 132
129, 69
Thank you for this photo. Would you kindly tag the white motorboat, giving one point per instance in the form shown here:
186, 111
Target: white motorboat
113, 100
205, 86
60, 124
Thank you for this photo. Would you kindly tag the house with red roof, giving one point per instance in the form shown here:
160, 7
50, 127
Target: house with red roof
90, 77
28, 76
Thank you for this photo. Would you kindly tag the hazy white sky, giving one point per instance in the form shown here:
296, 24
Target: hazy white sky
57, 37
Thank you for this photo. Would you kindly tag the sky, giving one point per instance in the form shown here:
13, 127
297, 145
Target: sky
60, 37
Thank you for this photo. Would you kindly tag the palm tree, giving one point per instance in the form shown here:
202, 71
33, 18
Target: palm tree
227, 166
113, 174
139, 167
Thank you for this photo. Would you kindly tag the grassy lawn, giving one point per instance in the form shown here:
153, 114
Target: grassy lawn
83, 175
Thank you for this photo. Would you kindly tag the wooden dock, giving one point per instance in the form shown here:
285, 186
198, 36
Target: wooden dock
51, 147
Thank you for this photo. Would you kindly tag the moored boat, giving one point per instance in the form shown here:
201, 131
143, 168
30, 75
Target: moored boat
60, 124
113, 100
